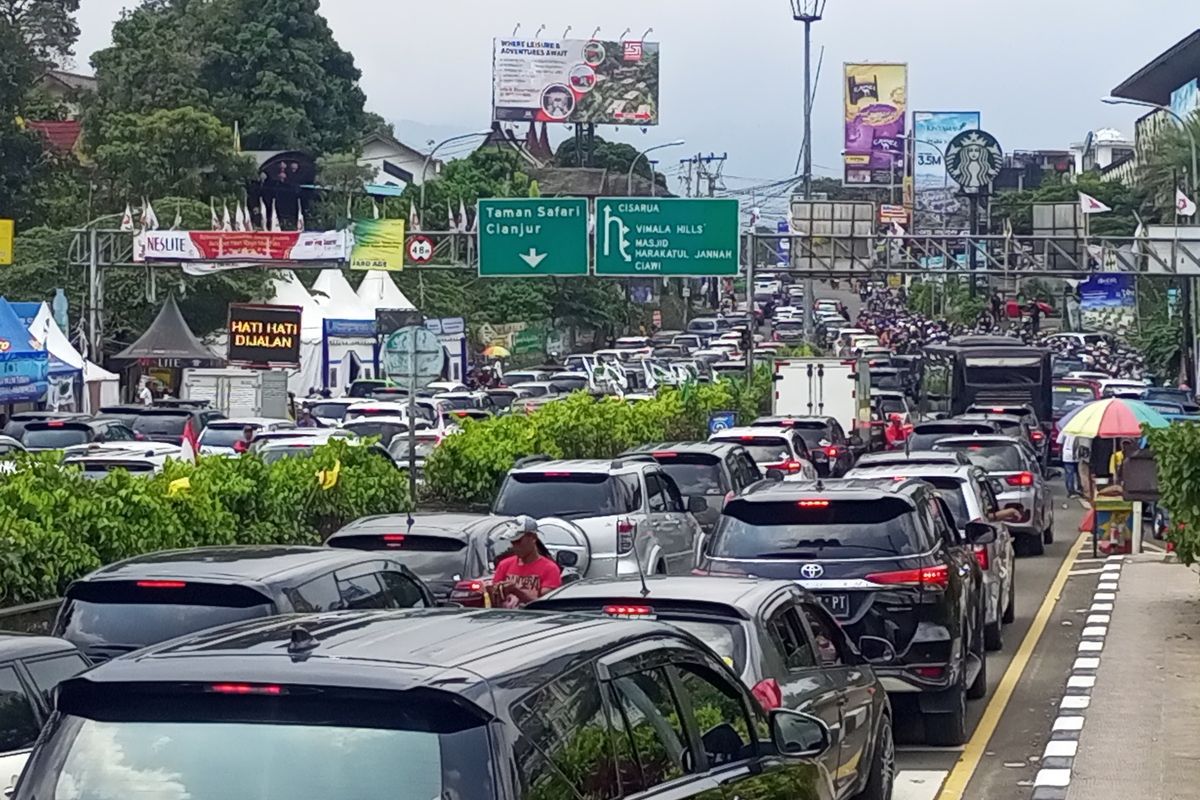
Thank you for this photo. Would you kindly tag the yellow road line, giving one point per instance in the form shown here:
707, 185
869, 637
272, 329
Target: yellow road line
956, 784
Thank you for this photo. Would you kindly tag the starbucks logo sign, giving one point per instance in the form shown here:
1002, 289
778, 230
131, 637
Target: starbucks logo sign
974, 159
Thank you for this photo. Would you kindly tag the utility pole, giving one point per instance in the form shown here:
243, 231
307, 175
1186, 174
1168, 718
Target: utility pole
808, 12
709, 171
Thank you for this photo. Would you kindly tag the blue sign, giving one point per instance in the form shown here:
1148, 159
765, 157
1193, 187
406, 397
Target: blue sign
721, 420
785, 245
350, 328
1108, 302
23, 378
937, 206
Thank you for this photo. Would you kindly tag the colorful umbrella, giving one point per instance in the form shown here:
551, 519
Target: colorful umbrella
497, 351
1112, 418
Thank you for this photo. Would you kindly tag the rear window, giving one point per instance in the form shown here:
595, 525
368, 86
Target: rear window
694, 473
109, 617
997, 457
567, 494
826, 529
160, 424
814, 434
383, 430
1067, 397
214, 746
97, 470
436, 559
56, 438
503, 399
273, 454
891, 405
329, 410
764, 449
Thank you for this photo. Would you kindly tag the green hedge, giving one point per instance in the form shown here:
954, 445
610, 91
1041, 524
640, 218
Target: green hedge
466, 469
1177, 454
56, 525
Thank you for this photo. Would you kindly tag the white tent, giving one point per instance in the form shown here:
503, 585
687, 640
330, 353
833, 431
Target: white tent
378, 290
331, 289
100, 387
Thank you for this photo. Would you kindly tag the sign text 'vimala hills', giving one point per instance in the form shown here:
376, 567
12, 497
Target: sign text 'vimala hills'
666, 236
262, 335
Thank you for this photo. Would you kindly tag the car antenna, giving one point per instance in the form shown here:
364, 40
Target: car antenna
301, 643
641, 574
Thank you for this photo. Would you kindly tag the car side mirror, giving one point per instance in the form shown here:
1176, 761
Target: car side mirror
876, 650
566, 559
798, 735
980, 532
697, 505
774, 474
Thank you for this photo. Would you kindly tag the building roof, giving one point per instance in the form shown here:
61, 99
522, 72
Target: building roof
71, 80
59, 136
1171, 69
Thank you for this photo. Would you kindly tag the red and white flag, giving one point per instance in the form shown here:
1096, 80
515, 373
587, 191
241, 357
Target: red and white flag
1184, 206
1090, 205
127, 219
189, 447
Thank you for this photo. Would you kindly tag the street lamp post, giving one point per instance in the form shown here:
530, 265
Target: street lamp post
1121, 101
640, 156
808, 12
438, 146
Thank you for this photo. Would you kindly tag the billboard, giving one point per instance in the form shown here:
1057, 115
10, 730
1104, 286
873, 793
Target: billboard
378, 244
575, 80
876, 106
261, 335
1186, 98
937, 207
1108, 302
240, 246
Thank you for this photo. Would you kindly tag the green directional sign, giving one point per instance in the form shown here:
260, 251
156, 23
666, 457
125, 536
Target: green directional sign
649, 236
533, 236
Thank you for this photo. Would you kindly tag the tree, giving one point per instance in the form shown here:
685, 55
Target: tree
613, 156
1126, 202
1167, 167
179, 151
48, 27
20, 150
272, 66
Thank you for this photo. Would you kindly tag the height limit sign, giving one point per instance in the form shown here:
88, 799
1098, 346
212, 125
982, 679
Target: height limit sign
646, 236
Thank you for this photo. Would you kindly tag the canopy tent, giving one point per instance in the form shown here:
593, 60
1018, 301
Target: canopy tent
64, 358
332, 290
378, 290
287, 290
169, 342
101, 387
24, 363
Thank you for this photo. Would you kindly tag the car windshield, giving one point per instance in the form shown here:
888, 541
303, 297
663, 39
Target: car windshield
764, 449
329, 410
814, 435
694, 473
55, 438
565, 494
1068, 397
303, 751
125, 614
826, 528
996, 457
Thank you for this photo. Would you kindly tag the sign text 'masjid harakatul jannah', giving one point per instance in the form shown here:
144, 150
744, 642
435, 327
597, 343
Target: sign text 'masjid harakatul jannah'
264, 335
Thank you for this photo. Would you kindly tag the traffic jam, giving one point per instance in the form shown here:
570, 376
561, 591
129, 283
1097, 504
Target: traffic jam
755, 615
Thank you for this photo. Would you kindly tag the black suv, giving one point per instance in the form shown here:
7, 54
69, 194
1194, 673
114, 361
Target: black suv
474, 705
162, 423
712, 471
158, 596
885, 559
831, 451
59, 434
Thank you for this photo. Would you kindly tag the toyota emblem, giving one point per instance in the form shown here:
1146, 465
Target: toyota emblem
812, 571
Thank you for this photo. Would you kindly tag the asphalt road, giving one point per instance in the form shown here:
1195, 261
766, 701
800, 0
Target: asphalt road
1010, 726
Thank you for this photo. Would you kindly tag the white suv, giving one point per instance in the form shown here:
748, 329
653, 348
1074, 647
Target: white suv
630, 510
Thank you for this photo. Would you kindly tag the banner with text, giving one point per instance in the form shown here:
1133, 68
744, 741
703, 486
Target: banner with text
876, 106
378, 244
938, 209
264, 335
251, 246
1108, 303
575, 80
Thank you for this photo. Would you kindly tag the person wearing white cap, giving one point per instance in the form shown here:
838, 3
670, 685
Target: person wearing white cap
527, 574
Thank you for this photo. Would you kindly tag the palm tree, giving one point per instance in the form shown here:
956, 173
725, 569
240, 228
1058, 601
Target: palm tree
1167, 165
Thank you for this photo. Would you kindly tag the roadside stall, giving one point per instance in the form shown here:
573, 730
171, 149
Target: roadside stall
166, 349
24, 363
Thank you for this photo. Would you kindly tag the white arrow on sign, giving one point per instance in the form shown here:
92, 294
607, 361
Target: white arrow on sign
533, 257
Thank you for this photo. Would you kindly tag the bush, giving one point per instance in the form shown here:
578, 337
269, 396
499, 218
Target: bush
466, 469
1177, 453
57, 525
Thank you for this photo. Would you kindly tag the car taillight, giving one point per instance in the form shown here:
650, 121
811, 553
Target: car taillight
930, 672
625, 531
161, 584
768, 693
1020, 479
245, 689
936, 577
628, 611
812, 504
393, 539
981, 555
1037, 436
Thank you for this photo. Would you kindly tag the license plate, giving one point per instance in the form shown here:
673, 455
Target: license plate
836, 604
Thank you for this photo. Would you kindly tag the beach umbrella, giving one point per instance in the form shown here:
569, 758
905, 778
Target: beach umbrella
1112, 418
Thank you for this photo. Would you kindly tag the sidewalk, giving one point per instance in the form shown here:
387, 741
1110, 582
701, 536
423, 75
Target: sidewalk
1141, 730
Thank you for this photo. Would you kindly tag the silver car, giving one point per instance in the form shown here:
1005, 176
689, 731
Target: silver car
1018, 481
630, 510
968, 493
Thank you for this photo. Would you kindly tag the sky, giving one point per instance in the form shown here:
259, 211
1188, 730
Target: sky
732, 73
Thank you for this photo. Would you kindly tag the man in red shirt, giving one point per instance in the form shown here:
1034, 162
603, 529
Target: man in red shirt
526, 575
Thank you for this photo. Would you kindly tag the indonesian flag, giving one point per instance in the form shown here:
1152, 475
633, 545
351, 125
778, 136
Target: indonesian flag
1184, 206
127, 219
189, 447
1090, 205
755, 214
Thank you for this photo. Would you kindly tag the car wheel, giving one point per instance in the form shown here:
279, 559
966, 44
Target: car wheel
1029, 545
993, 637
883, 766
1010, 613
1048, 534
949, 729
